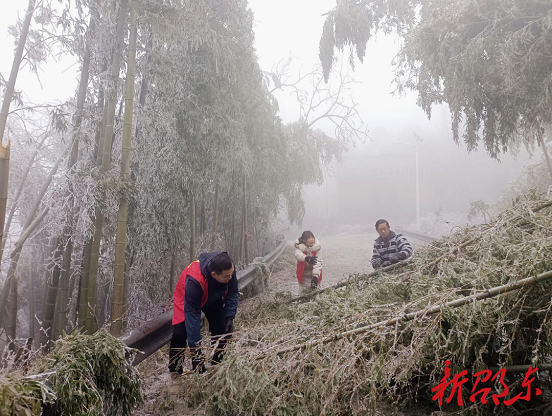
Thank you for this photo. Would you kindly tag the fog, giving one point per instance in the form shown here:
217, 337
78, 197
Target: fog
376, 179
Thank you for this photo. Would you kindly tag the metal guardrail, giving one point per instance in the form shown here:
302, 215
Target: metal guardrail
247, 275
157, 332
418, 236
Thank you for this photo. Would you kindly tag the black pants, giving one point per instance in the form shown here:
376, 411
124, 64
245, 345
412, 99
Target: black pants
179, 341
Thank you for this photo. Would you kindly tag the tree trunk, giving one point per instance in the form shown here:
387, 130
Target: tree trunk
12, 311
48, 311
82, 304
10, 88
117, 305
215, 218
202, 218
173, 267
243, 249
105, 151
31, 302
4, 175
192, 229
61, 306
230, 241
126, 287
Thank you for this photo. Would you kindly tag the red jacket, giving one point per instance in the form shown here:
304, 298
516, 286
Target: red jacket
301, 269
301, 252
193, 270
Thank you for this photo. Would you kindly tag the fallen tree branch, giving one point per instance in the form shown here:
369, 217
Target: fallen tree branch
471, 240
489, 293
349, 281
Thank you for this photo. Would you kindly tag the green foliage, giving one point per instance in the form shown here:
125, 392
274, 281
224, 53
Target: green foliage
23, 396
352, 23
84, 375
489, 61
91, 375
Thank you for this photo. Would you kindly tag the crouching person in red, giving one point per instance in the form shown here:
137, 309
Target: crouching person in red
208, 285
309, 265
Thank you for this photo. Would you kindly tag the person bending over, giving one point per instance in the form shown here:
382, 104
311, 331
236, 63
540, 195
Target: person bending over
207, 285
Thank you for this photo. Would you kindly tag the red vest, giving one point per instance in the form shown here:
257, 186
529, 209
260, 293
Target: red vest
301, 269
193, 270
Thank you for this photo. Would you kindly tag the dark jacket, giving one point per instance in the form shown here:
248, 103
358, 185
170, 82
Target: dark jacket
396, 244
227, 293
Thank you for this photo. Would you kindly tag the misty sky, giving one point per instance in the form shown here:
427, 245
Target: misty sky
376, 179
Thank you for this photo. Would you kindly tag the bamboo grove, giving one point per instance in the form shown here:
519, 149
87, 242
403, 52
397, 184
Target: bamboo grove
171, 145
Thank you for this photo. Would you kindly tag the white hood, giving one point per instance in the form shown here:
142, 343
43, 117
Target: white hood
316, 247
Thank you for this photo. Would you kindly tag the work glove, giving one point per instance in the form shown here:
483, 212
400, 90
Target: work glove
376, 263
229, 325
311, 260
314, 282
198, 360
394, 258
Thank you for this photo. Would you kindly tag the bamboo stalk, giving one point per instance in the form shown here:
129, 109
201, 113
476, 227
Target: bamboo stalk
31, 302
82, 304
27, 232
10, 88
117, 305
61, 306
453, 251
347, 282
48, 311
489, 293
245, 225
22, 183
105, 152
11, 317
4, 175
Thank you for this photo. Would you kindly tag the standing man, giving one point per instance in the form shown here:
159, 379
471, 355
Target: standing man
389, 248
207, 285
